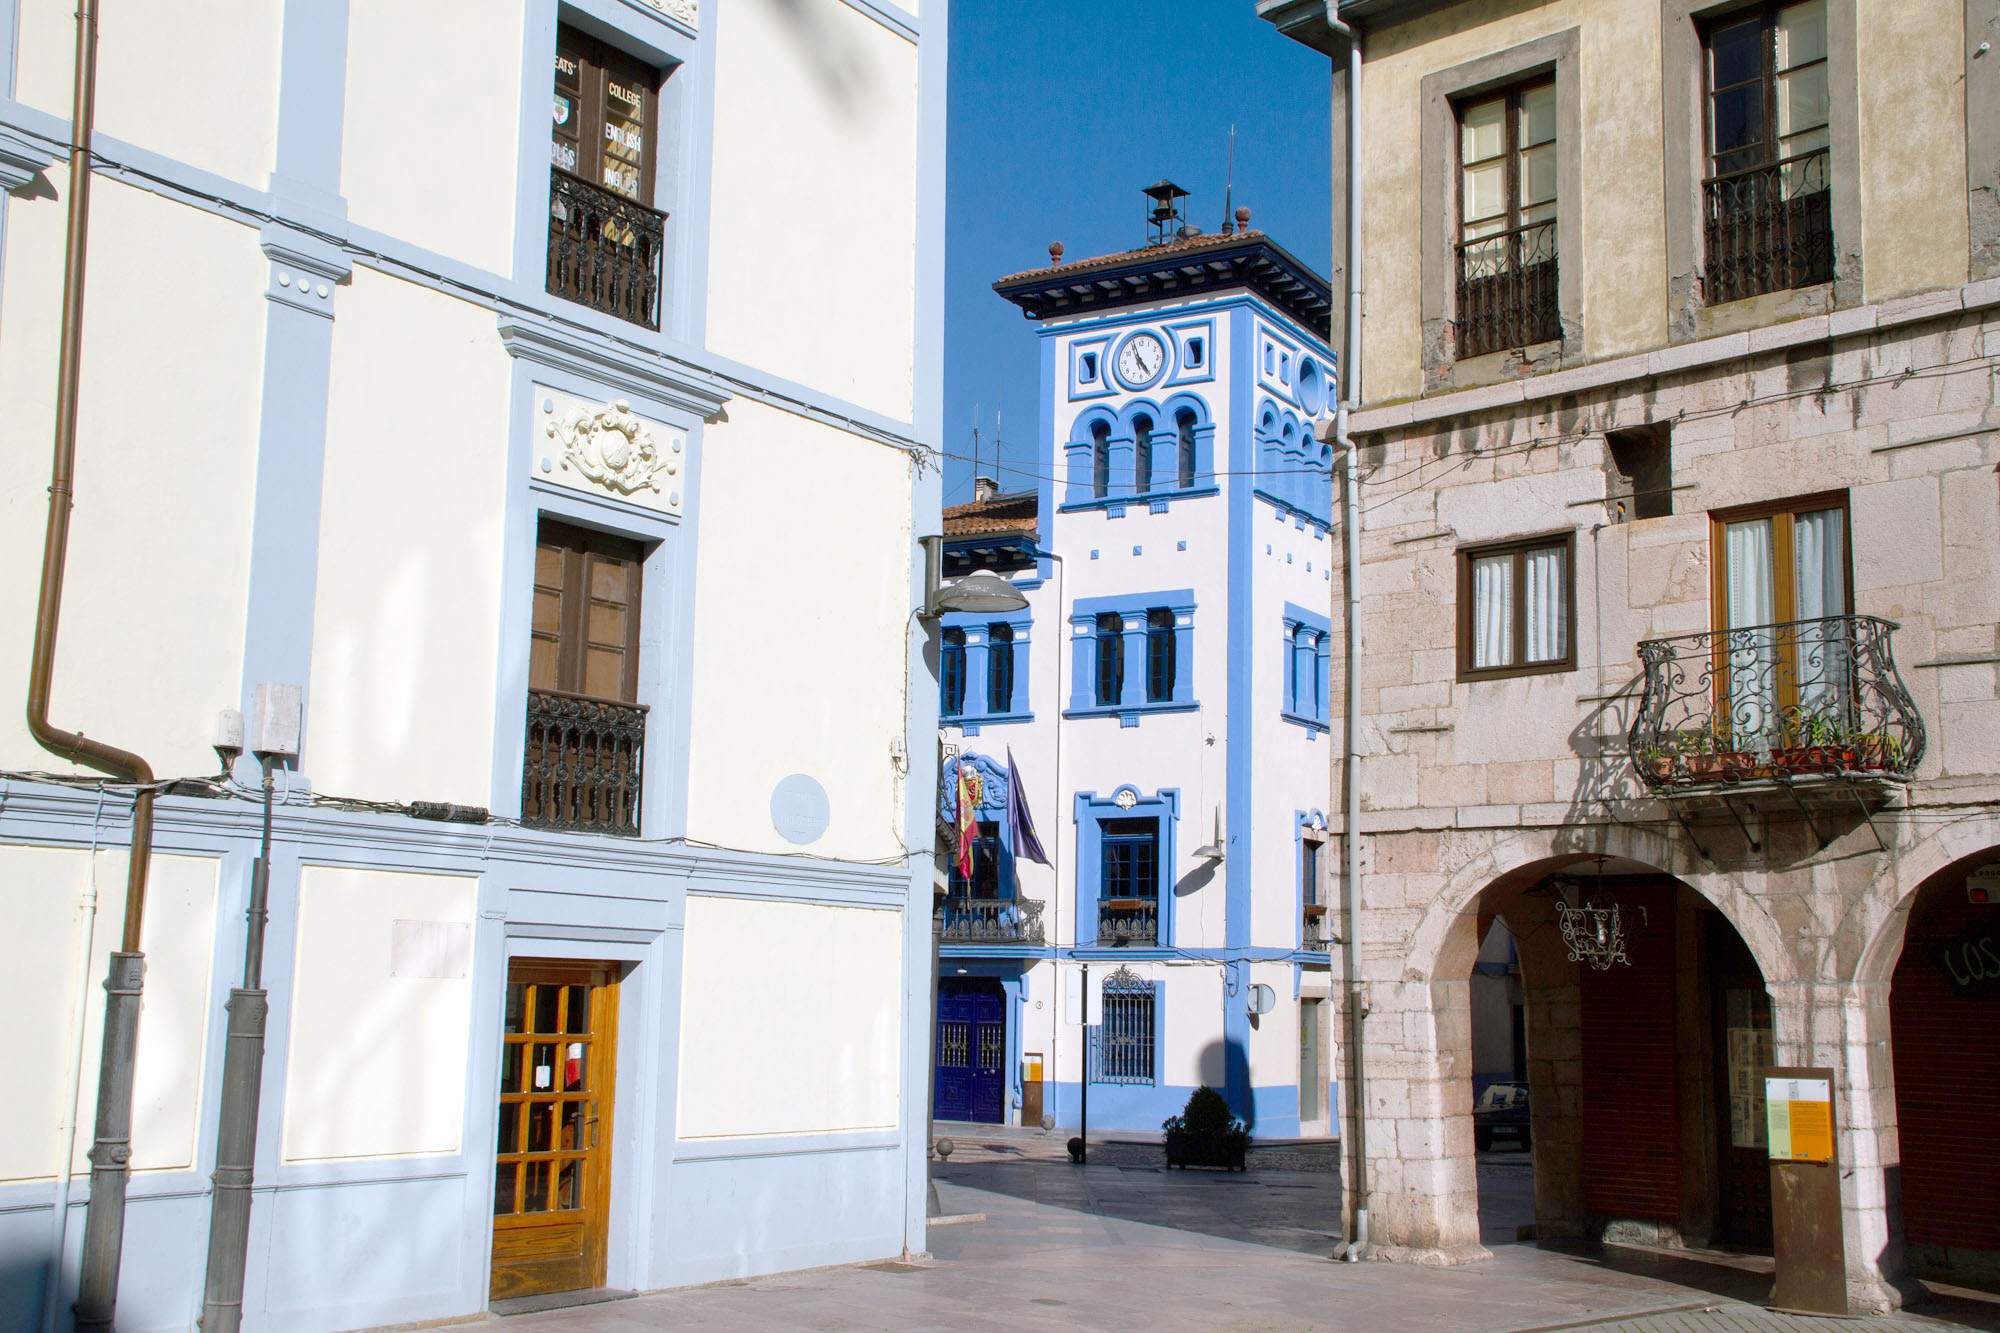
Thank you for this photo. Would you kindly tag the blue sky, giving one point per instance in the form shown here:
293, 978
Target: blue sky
1060, 112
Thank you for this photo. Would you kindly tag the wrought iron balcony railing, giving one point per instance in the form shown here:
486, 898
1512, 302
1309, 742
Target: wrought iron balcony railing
990, 920
604, 250
1312, 930
1507, 290
1128, 921
583, 764
1802, 699
1768, 229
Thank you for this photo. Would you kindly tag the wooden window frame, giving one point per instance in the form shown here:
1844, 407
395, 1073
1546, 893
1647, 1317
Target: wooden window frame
1784, 591
599, 63
951, 678
1162, 655
1132, 836
1767, 74
1515, 230
1518, 547
572, 630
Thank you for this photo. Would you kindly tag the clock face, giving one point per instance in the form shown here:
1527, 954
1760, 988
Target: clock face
1141, 358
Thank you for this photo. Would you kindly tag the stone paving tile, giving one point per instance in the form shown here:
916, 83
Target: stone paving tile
1038, 1265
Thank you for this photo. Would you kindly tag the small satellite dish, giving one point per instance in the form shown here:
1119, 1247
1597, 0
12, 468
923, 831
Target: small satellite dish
1262, 999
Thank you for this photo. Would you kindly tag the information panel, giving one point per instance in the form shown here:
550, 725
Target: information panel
1799, 1119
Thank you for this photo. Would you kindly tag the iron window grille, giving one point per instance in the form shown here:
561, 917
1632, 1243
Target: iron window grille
605, 243
1110, 659
1507, 290
582, 768
1162, 663
1767, 203
951, 674
999, 667
1125, 1038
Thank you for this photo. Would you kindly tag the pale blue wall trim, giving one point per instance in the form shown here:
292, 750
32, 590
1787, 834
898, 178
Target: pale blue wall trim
1160, 311
22, 158
10, 40
618, 340
312, 94
893, 17
1132, 699
977, 629
921, 716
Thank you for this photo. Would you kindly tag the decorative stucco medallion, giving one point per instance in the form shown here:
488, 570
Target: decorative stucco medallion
611, 447
684, 10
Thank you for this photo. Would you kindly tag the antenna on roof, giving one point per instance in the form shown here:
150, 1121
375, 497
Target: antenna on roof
975, 448
1229, 185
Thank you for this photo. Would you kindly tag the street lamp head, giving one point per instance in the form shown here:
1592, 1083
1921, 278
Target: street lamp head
981, 592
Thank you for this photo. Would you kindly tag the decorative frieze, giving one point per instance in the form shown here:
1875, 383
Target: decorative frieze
609, 449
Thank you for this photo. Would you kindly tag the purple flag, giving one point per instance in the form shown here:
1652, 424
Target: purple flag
1025, 842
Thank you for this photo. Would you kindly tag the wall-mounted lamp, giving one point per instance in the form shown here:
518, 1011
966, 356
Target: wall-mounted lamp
1212, 850
981, 592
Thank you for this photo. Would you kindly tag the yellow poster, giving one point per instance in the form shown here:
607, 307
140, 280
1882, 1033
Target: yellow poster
1799, 1112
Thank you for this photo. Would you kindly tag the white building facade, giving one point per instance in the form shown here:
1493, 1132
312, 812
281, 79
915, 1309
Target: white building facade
1163, 699
469, 367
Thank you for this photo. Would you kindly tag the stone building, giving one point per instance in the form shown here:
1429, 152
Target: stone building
474, 372
1676, 436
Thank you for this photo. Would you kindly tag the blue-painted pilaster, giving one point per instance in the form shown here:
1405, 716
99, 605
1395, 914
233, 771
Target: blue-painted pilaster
1241, 726
304, 273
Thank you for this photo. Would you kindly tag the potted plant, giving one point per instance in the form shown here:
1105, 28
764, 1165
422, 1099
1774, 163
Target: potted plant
1205, 1133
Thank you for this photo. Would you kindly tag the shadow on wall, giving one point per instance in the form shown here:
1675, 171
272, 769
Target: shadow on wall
25, 1278
1606, 782
1225, 1065
832, 54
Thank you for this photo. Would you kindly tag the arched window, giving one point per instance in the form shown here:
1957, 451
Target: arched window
1000, 668
1184, 420
951, 674
1142, 454
1161, 663
1110, 659
1100, 459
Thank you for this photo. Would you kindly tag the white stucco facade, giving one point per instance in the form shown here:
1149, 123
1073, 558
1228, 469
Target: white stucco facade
340, 384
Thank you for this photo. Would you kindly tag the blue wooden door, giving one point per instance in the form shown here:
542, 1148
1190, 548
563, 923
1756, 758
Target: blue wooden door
971, 1051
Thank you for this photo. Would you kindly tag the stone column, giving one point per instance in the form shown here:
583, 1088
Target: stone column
1844, 1025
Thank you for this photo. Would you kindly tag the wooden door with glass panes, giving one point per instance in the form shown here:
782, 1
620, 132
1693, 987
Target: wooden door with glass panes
553, 1147
604, 105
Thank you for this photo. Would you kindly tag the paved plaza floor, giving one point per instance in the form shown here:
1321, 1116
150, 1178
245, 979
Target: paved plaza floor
1125, 1244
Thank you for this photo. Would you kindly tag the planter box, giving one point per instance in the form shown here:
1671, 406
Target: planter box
1184, 1150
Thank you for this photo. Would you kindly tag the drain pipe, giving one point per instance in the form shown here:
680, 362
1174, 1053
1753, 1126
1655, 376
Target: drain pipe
111, 1153
1350, 759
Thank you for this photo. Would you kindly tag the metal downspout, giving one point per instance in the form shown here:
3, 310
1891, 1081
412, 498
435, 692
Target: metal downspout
110, 1153
1350, 759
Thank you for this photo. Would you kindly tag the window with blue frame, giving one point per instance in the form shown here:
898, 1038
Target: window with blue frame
1130, 858
1110, 659
1184, 422
984, 882
1162, 656
1142, 454
999, 667
1309, 849
1126, 1039
1308, 658
1100, 459
951, 674
1131, 655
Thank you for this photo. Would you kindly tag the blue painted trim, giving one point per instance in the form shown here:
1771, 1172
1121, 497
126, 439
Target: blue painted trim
978, 648
1238, 864
1131, 609
1182, 333
1100, 385
1088, 811
1159, 500
1308, 636
312, 95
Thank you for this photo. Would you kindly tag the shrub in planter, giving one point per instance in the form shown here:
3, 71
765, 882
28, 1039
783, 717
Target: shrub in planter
1205, 1133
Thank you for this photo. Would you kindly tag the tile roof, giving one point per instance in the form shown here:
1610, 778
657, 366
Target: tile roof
1017, 512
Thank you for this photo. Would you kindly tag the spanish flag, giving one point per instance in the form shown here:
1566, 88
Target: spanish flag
968, 816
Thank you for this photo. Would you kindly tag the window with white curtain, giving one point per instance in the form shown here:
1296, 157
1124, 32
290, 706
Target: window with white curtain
1516, 607
1782, 590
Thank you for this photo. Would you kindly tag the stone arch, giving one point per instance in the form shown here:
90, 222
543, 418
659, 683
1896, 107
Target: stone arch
1534, 853
1885, 908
